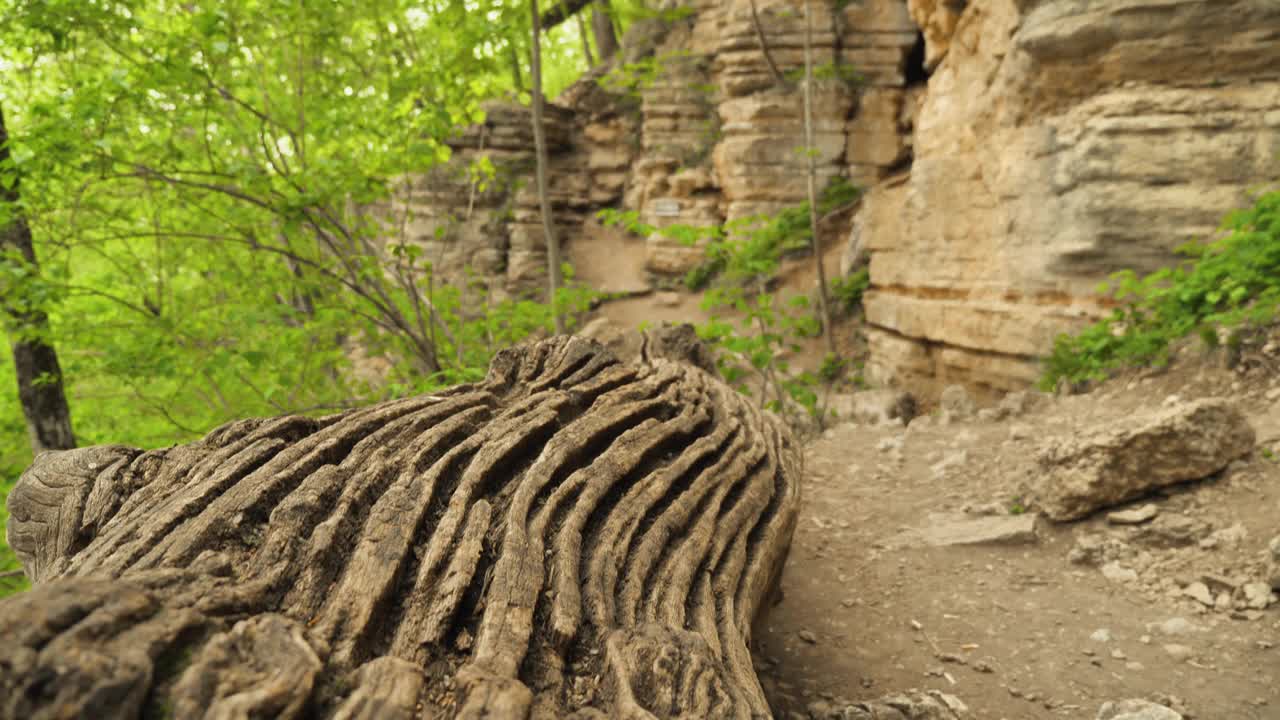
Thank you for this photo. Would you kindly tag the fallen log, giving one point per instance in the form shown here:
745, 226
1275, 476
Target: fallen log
572, 537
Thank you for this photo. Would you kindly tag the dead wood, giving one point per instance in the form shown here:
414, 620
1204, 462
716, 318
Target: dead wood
572, 537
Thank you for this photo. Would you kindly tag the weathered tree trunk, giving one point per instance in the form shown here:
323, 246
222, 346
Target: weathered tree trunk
572, 537
40, 389
517, 80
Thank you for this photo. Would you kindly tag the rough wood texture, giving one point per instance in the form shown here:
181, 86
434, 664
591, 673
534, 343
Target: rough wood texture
572, 537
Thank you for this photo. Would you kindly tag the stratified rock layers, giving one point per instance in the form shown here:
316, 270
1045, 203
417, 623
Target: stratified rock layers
1060, 141
1016, 152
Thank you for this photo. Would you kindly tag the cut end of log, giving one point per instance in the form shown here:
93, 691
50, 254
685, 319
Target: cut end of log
571, 537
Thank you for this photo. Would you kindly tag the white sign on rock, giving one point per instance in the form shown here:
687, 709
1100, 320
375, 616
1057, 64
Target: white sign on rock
665, 207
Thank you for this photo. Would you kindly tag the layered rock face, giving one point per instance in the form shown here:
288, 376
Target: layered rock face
1015, 153
489, 228
1059, 141
693, 127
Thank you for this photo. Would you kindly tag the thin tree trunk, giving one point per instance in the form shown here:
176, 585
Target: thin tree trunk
764, 47
540, 149
602, 28
812, 173
40, 391
586, 41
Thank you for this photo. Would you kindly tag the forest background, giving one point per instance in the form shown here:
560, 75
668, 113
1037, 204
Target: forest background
194, 200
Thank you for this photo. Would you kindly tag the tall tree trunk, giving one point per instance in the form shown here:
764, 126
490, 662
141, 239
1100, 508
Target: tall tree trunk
810, 152
540, 149
586, 42
35, 363
602, 28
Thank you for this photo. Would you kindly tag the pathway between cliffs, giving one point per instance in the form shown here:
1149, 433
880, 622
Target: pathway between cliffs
1048, 623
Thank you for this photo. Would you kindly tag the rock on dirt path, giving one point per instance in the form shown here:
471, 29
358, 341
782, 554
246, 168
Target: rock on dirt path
1034, 630
1137, 454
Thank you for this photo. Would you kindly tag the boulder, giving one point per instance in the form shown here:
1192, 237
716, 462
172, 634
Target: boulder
1257, 596
946, 530
930, 705
956, 404
1136, 709
1021, 402
1134, 516
1138, 454
1273, 565
622, 342
874, 407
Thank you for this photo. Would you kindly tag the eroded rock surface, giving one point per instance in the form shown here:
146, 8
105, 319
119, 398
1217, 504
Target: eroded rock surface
1058, 141
1136, 455
571, 537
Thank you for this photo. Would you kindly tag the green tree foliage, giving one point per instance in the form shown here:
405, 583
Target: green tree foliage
210, 186
1229, 282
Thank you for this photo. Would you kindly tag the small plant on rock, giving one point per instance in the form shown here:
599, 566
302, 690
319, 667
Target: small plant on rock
847, 291
1230, 283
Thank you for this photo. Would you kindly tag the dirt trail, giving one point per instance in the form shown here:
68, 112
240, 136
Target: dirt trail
1015, 631
1018, 631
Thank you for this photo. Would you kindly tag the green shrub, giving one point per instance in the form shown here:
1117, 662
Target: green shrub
766, 238
847, 291
1228, 282
742, 259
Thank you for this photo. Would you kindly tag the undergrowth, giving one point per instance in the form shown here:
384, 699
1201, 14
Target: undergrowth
752, 330
1225, 284
847, 291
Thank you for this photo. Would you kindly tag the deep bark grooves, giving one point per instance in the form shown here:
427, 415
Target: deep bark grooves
571, 537
618, 530
58, 498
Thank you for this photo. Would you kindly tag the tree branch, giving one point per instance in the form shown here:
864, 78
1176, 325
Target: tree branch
562, 12
764, 48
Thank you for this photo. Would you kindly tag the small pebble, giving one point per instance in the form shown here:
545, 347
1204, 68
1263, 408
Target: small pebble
1181, 653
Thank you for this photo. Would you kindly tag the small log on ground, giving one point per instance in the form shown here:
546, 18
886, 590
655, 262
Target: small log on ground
572, 537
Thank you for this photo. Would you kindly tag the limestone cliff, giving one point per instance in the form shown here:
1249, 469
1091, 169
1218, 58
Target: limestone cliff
1057, 142
707, 134
1015, 152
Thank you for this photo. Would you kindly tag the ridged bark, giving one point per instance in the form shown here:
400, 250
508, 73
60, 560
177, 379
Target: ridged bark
572, 537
